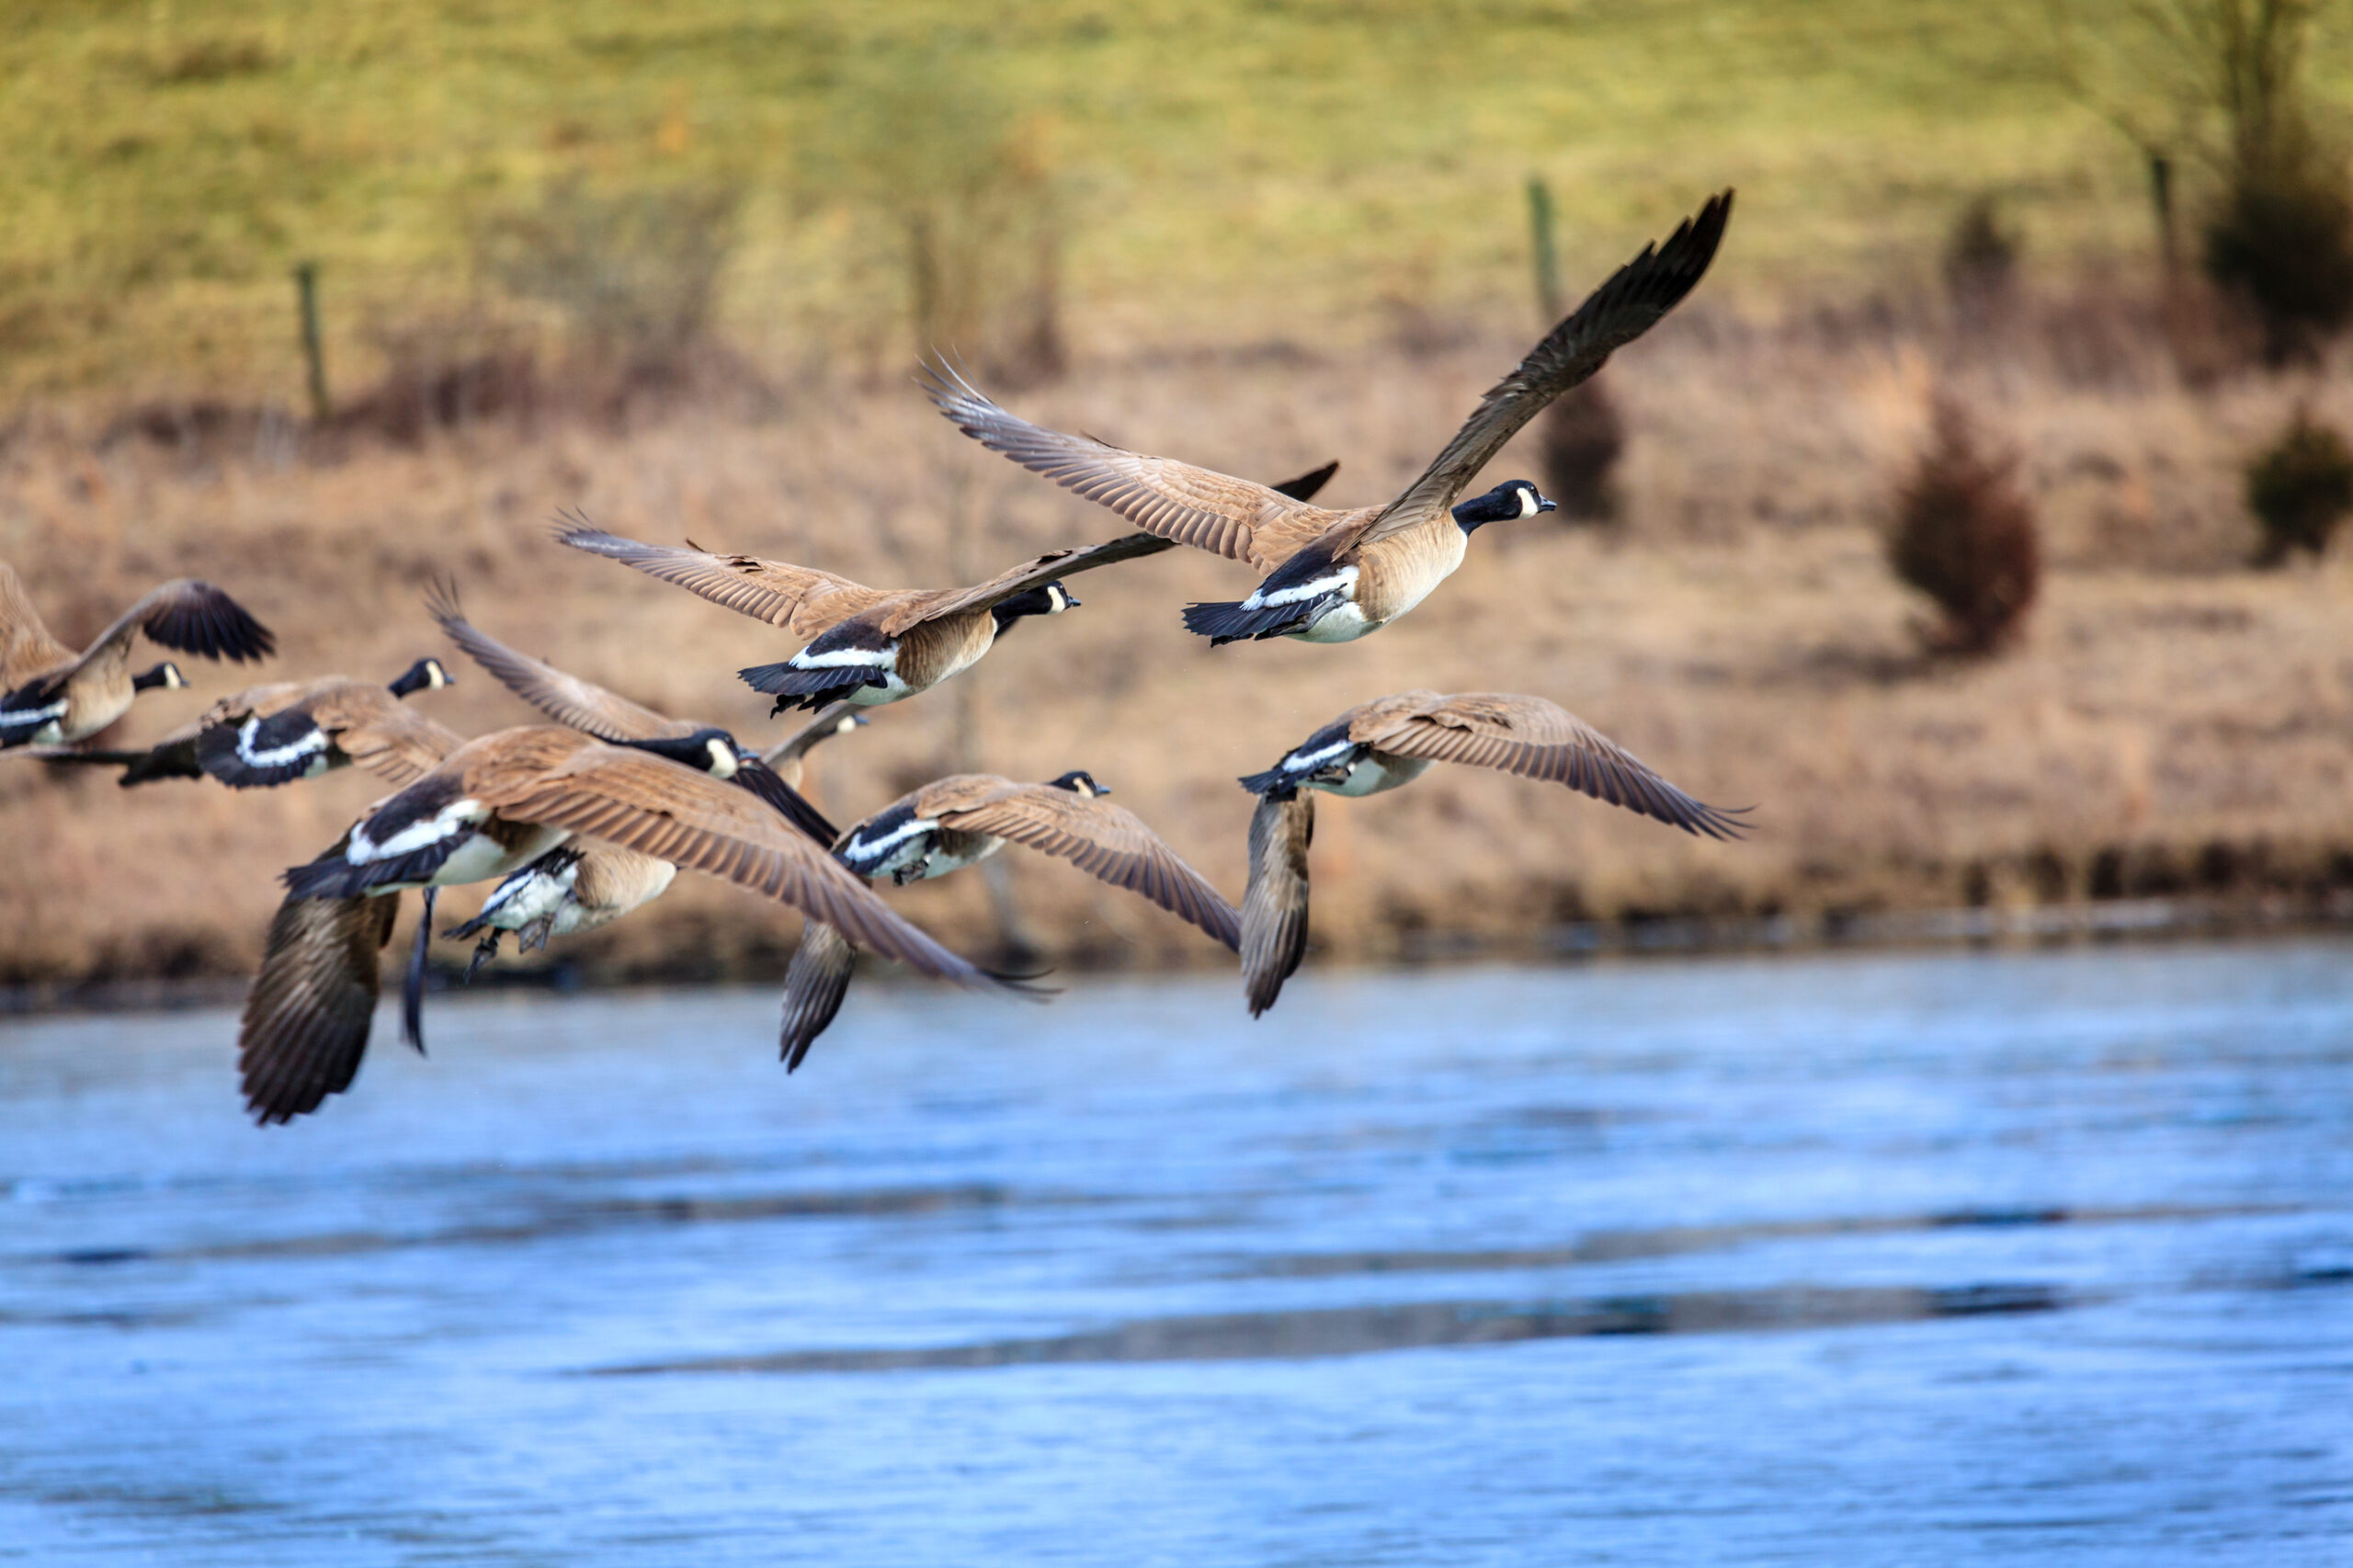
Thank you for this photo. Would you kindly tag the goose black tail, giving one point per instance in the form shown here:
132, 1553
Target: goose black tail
331, 876
1222, 623
796, 687
1274, 782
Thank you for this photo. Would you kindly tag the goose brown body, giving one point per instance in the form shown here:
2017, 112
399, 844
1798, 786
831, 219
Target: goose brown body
50, 695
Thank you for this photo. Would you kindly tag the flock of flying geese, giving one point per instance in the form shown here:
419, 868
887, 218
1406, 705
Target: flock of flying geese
580, 819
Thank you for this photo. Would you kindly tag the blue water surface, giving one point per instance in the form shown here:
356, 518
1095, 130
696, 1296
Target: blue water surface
1945, 1258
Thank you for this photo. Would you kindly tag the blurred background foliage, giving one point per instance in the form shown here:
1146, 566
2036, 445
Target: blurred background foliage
1137, 174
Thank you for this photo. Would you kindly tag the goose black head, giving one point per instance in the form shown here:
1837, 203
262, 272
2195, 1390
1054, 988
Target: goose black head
1078, 782
711, 750
165, 674
426, 675
1513, 498
1052, 598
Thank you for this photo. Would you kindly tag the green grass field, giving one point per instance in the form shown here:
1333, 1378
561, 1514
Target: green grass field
1229, 171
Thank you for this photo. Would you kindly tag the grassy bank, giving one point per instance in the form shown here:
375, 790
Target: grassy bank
1223, 171
2172, 723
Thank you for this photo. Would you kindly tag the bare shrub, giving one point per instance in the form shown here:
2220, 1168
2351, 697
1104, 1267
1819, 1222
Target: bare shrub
2300, 489
1965, 536
2282, 240
1580, 440
2226, 82
635, 273
446, 375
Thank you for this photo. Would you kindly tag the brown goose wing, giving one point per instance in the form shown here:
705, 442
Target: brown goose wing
306, 1019
672, 812
1274, 909
814, 985
1634, 300
26, 647
1108, 841
800, 600
1534, 739
189, 617
1211, 511
380, 732
1020, 580
566, 698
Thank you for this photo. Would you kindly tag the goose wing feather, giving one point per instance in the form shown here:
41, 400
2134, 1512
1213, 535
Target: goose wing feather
1233, 517
1020, 580
672, 812
27, 649
1637, 296
799, 599
566, 698
1534, 739
306, 1019
1104, 839
1274, 907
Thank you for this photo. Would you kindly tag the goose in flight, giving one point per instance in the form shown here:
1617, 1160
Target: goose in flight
959, 820
267, 735
492, 806
580, 886
51, 696
1334, 577
864, 646
1392, 741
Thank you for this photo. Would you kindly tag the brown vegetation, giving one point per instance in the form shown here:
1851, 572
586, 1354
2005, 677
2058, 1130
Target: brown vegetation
2176, 724
1965, 536
2300, 489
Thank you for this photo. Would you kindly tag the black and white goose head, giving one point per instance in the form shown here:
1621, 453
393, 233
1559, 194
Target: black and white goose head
716, 751
1078, 782
164, 677
1512, 499
426, 675
709, 750
1049, 599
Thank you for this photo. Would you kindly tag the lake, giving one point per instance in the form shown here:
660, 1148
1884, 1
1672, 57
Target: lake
1963, 1256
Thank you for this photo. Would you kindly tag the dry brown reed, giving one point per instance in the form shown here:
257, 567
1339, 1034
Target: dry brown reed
2172, 720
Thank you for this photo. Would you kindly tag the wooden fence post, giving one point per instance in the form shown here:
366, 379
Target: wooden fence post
306, 286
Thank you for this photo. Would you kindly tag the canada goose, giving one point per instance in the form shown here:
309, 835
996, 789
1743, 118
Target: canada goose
1390, 742
1333, 576
579, 887
274, 734
500, 802
54, 695
958, 820
867, 646
585, 706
